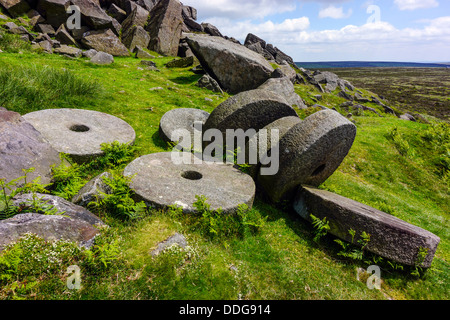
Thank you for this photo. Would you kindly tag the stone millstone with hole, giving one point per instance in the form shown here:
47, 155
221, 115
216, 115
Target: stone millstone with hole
390, 237
252, 109
261, 144
178, 121
309, 153
80, 133
158, 180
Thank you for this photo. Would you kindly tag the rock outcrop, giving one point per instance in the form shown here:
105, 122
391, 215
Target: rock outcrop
235, 67
165, 27
23, 147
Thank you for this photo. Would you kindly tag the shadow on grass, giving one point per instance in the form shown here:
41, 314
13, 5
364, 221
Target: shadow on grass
160, 143
186, 79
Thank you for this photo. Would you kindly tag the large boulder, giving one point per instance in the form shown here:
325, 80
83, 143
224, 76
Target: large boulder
69, 51
132, 28
136, 37
270, 52
48, 227
15, 8
284, 87
62, 207
390, 237
106, 41
165, 27
92, 15
235, 67
117, 13
64, 37
211, 30
23, 147
54, 11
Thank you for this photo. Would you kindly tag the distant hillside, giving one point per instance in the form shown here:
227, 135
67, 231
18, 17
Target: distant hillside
368, 64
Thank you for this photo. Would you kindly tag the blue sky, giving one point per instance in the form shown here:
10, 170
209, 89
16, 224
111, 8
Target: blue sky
338, 30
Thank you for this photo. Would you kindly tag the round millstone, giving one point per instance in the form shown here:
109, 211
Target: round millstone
179, 120
253, 109
309, 153
261, 143
80, 133
160, 182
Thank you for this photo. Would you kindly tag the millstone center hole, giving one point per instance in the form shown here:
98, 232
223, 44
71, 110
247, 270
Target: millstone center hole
192, 175
79, 128
319, 170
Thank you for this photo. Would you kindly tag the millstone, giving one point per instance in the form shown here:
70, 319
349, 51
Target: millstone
180, 119
390, 237
264, 138
158, 181
249, 110
80, 133
309, 153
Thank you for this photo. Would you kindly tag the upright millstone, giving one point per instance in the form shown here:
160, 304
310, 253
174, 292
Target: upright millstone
177, 123
80, 133
309, 153
163, 180
248, 111
260, 145
390, 237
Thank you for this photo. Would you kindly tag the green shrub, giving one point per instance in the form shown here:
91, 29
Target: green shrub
69, 177
400, 143
215, 225
438, 139
20, 185
119, 203
321, 227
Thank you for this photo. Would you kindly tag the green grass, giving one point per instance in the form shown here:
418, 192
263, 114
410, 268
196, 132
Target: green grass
281, 260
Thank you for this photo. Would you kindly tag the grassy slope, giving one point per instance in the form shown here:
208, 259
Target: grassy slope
282, 261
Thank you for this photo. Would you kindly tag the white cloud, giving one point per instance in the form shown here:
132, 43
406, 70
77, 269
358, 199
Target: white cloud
415, 4
334, 12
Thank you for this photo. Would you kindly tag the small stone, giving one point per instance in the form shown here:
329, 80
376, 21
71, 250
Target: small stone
93, 190
102, 58
142, 54
181, 63
89, 53
148, 63
176, 240
209, 83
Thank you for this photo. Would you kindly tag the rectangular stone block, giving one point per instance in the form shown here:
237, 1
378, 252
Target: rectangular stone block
390, 237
